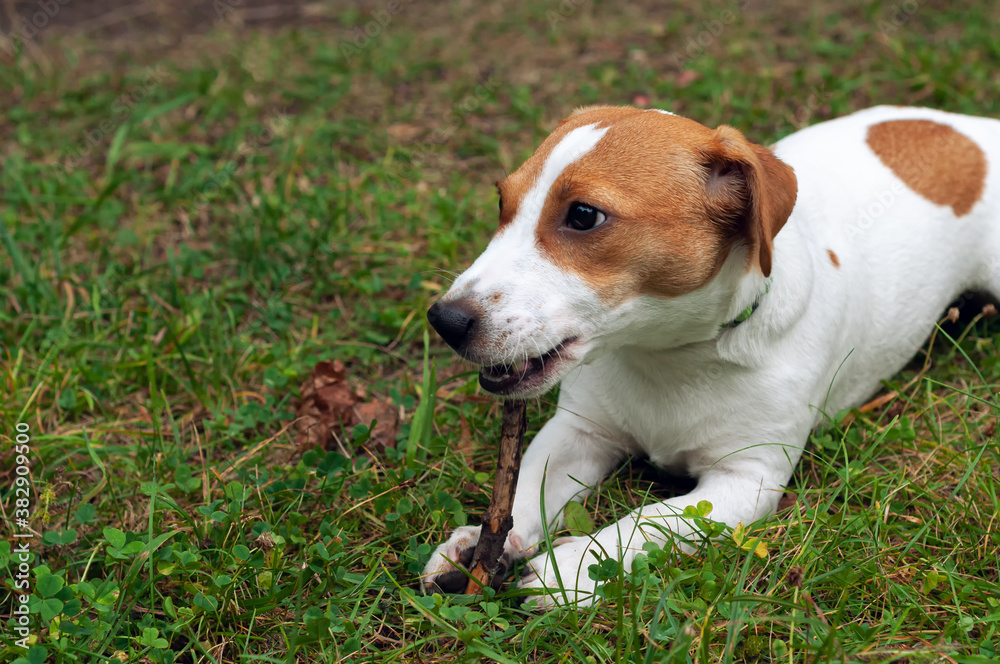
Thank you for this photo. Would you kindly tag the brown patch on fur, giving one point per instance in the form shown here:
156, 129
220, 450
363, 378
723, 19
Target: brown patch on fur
933, 159
515, 186
677, 196
833, 258
647, 177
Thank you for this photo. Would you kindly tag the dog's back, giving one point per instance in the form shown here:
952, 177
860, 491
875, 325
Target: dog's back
898, 213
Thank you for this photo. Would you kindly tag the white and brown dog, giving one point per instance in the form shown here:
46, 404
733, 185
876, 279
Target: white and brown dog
704, 301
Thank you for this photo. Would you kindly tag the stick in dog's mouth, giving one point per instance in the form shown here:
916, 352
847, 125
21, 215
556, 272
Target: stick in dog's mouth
529, 372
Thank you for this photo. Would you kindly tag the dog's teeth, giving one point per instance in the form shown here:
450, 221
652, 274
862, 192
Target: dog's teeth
498, 371
520, 370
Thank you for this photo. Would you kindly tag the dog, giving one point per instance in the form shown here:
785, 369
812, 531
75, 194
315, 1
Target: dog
705, 302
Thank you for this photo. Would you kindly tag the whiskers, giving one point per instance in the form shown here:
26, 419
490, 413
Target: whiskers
449, 275
555, 345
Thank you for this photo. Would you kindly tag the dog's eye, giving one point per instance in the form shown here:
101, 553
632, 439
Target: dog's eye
582, 217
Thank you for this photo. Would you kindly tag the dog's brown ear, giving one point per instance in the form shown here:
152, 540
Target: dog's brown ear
750, 190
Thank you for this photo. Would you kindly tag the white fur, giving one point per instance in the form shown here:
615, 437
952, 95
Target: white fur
655, 377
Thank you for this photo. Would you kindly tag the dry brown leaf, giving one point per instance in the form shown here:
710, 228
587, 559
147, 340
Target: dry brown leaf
328, 406
387, 419
325, 403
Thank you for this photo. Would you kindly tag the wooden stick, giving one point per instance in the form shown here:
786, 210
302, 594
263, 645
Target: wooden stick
497, 520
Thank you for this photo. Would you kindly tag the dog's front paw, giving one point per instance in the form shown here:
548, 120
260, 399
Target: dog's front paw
567, 582
447, 569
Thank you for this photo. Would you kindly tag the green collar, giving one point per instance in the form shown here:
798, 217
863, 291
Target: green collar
746, 313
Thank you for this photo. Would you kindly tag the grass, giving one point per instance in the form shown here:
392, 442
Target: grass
187, 231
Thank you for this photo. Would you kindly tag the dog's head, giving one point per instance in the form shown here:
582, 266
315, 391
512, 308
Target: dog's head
626, 227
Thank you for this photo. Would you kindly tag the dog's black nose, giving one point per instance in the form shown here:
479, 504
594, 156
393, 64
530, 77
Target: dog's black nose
453, 322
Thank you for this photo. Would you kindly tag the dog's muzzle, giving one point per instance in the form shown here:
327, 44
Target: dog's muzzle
457, 322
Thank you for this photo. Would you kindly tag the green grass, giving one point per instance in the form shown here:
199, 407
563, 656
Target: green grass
186, 234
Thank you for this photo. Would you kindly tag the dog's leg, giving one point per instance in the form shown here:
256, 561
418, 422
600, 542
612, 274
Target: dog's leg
736, 494
569, 455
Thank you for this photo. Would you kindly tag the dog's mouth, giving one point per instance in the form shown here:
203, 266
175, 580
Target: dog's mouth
526, 376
